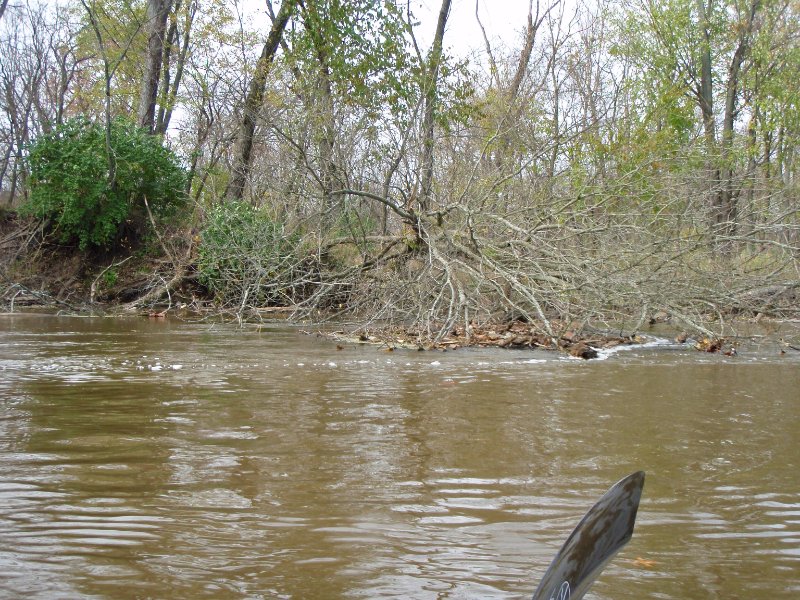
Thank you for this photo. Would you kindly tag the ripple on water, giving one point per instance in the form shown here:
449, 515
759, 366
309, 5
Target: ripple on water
267, 464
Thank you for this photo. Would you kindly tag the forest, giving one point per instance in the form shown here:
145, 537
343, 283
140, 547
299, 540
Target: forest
612, 165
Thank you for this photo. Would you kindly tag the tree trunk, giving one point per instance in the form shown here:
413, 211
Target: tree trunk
726, 198
255, 97
323, 113
513, 108
705, 99
169, 92
525, 53
108, 73
705, 94
430, 93
327, 134
157, 13
170, 43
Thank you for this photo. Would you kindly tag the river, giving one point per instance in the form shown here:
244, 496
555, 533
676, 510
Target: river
167, 459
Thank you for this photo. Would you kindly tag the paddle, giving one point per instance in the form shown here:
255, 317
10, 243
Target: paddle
605, 529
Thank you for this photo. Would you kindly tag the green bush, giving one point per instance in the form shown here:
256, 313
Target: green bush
69, 180
248, 259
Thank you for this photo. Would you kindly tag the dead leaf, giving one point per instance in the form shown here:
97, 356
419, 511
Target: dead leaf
644, 563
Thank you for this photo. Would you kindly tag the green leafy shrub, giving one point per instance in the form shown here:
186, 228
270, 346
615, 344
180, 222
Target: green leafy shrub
69, 180
248, 259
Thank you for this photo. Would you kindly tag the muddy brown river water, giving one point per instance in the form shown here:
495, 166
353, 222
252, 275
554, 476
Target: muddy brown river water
164, 459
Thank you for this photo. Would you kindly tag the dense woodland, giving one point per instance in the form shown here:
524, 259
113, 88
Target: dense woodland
615, 163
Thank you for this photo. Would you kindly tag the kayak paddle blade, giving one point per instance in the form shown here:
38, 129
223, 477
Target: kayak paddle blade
605, 529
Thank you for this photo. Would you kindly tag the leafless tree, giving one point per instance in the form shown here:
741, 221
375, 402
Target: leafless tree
430, 94
253, 102
38, 67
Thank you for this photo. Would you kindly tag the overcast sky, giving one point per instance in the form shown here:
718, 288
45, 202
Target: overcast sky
502, 19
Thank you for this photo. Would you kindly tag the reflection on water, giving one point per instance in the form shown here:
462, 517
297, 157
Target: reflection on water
163, 459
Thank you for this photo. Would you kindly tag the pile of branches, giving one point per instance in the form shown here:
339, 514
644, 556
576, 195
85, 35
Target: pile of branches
556, 263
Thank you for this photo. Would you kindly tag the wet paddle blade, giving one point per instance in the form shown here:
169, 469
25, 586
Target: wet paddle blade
605, 529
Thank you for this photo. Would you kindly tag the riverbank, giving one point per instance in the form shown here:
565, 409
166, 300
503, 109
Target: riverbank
158, 280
